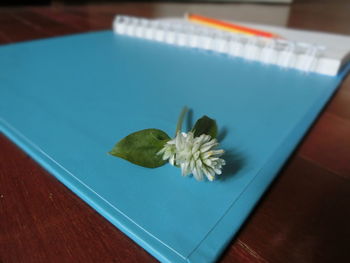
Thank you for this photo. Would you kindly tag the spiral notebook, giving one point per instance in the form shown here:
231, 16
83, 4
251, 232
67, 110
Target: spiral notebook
303, 50
66, 101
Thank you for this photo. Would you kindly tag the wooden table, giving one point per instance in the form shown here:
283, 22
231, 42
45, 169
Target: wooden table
304, 217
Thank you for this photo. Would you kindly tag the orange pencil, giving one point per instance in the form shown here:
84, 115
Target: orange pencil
228, 26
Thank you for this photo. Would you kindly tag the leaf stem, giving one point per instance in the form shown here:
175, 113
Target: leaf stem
181, 119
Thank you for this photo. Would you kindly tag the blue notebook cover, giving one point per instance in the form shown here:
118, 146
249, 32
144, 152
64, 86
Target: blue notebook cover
66, 101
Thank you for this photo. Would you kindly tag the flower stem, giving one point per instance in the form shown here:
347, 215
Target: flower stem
181, 119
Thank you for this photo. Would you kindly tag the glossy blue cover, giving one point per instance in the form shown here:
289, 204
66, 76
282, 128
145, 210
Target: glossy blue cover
66, 101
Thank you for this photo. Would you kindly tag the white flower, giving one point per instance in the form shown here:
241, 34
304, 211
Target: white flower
169, 151
195, 155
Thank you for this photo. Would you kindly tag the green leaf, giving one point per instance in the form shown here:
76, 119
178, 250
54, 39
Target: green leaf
141, 148
205, 125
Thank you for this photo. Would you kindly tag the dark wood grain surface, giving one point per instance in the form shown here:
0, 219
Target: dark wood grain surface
304, 217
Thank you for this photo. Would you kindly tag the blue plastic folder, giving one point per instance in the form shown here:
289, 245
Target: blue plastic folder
66, 101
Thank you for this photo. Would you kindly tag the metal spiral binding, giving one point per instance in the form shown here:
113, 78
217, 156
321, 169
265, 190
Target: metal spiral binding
284, 53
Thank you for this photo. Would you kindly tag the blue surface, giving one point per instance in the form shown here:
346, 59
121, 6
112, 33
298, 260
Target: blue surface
67, 101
